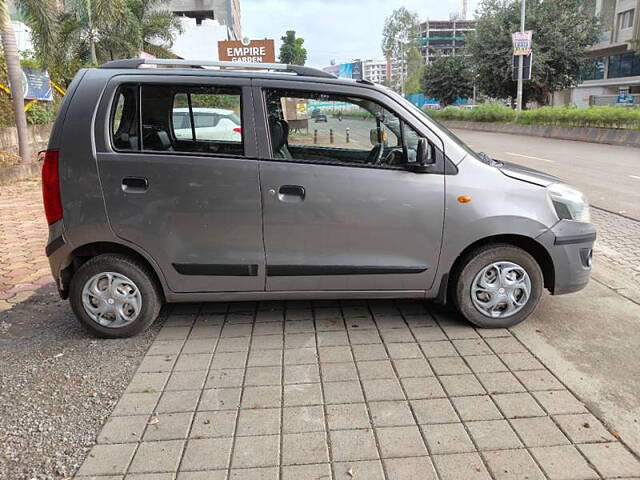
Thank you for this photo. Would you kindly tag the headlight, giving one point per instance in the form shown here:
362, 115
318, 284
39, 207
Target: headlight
570, 204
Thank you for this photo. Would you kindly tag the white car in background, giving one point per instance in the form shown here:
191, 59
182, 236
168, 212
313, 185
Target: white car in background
210, 124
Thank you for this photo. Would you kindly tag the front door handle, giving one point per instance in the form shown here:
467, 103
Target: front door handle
291, 193
135, 184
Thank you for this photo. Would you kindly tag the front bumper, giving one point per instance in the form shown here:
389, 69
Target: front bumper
570, 245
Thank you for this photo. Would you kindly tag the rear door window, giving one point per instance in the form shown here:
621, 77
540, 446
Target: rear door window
124, 119
183, 119
190, 119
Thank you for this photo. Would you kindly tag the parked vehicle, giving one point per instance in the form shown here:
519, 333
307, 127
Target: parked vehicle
210, 124
141, 212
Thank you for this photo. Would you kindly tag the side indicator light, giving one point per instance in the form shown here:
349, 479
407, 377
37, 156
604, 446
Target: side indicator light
464, 198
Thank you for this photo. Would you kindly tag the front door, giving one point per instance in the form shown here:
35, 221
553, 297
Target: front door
340, 209
180, 182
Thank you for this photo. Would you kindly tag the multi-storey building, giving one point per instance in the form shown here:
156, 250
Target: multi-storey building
614, 62
443, 37
375, 71
225, 12
205, 23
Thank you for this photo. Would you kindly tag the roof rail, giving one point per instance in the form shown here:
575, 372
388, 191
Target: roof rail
137, 62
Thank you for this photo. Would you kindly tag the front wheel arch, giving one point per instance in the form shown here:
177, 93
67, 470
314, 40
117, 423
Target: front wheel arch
528, 244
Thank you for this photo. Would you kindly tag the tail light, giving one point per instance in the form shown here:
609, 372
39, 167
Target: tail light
51, 187
238, 130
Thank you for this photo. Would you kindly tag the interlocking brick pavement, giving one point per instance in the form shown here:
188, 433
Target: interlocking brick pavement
347, 390
333, 390
23, 234
618, 240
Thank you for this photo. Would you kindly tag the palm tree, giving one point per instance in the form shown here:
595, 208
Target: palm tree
144, 26
15, 79
87, 20
40, 17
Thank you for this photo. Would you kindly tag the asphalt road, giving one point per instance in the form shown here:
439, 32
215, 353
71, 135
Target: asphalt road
609, 175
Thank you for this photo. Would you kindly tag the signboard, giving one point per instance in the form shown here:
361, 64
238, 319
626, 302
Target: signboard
522, 42
252, 51
625, 98
526, 67
36, 84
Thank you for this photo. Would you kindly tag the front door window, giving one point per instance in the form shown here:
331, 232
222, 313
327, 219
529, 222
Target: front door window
329, 128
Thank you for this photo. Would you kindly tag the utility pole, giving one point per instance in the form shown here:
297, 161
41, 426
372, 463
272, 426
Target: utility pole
520, 61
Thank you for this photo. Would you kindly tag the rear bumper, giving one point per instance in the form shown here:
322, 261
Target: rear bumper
57, 251
570, 245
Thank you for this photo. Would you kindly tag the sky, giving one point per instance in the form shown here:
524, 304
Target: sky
336, 29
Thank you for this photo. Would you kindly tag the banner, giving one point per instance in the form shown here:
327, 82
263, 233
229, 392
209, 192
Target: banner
522, 42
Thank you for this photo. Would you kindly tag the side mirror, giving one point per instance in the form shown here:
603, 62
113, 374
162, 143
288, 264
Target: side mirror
425, 154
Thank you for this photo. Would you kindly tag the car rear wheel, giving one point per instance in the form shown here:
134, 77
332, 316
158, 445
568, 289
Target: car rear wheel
498, 286
115, 296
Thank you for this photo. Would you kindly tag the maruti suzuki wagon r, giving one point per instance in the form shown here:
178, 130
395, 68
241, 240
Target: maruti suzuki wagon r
151, 199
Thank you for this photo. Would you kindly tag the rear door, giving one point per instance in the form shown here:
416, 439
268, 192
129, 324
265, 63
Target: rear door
190, 200
335, 217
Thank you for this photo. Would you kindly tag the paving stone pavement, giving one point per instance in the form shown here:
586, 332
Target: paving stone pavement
618, 240
332, 389
347, 390
23, 234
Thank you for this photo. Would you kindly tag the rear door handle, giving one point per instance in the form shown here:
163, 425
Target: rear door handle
135, 184
291, 193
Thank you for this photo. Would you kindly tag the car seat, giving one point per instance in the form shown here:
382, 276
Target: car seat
279, 136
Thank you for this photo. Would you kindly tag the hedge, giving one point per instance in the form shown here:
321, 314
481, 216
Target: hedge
568, 116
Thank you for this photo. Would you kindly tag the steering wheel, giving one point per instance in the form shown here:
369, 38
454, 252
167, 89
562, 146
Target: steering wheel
375, 155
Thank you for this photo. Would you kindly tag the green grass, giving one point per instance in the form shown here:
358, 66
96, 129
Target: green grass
569, 116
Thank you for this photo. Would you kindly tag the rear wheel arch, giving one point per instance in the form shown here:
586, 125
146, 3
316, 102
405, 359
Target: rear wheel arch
90, 250
528, 244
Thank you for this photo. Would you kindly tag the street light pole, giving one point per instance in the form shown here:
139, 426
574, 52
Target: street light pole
520, 61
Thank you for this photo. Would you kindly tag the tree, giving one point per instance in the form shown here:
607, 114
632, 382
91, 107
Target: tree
399, 39
562, 31
39, 16
448, 78
291, 51
145, 26
15, 79
85, 22
415, 71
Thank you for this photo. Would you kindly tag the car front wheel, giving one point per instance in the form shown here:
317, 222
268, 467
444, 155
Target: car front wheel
115, 296
498, 286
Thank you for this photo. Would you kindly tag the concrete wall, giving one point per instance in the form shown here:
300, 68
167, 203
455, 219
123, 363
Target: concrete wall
611, 136
39, 136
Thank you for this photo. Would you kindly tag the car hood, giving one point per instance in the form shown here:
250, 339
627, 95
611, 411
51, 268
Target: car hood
527, 174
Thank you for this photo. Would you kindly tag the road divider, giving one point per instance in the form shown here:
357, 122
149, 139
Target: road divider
609, 136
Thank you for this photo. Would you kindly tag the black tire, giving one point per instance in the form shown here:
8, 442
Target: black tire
474, 262
139, 273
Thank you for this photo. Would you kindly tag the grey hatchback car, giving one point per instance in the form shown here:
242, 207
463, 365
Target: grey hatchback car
378, 202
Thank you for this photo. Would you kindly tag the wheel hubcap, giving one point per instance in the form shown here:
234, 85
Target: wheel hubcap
111, 299
501, 289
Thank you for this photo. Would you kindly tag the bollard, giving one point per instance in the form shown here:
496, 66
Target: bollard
315, 135
347, 134
331, 135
